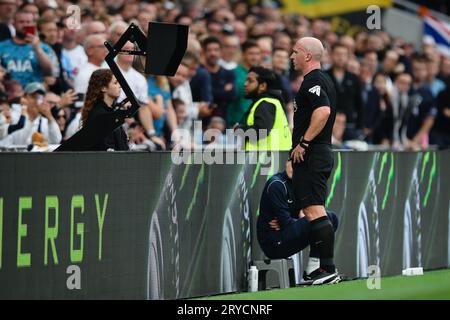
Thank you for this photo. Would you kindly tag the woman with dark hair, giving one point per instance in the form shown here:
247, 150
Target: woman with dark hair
103, 90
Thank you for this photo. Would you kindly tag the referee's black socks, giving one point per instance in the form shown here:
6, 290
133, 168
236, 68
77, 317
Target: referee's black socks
322, 236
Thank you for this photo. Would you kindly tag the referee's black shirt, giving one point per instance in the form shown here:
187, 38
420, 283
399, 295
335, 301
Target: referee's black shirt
317, 90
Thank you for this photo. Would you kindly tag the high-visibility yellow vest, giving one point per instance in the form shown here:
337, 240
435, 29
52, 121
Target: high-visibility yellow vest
279, 138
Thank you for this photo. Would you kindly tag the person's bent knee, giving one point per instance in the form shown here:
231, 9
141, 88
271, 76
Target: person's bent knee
334, 219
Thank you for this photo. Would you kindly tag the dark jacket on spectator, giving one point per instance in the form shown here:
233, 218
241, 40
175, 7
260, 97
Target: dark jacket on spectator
421, 105
201, 86
440, 134
5, 33
222, 97
381, 122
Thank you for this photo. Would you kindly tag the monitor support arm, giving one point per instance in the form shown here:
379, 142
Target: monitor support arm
135, 35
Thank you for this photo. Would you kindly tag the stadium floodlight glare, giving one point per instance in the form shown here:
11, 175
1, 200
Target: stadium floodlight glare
163, 49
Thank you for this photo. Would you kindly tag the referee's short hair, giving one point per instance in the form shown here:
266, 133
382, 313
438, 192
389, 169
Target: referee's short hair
265, 76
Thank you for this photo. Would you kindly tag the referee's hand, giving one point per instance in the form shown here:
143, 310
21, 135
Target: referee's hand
298, 154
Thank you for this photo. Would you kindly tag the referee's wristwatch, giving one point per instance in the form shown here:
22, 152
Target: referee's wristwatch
304, 143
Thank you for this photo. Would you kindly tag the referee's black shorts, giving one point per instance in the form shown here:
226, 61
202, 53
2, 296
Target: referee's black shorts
311, 175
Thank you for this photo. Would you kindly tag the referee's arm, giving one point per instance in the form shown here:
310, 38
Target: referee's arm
319, 119
320, 105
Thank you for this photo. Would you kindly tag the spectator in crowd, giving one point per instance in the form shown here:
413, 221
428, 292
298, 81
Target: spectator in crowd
31, 8
360, 43
444, 73
116, 30
240, 29
251, 57
14, 92
337, 138
181, 90
96, 27
3, 125
199, 77
230, 51
137, 138
181, 113
146, 16
161, 106
440, 134
400, 102
371, 60
365, 79
282, 40
348, 91
49, 12
378, 114
216, 129
354, 66
374, 43
265, 44
75, 52
96, 52
435, 84
24, 57
40, 118
130, 10
7, 10
222, 80
7, 124
389, 66
214, 28
280, 65
348, 42
62, 79
422, 109
183, 19
59, 113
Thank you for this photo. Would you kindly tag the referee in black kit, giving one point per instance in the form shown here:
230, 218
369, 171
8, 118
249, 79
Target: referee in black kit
314, 115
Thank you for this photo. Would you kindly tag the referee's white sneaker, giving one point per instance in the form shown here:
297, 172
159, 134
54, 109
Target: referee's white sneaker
320, 276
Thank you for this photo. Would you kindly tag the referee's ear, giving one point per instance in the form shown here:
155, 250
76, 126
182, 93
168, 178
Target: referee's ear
308, 57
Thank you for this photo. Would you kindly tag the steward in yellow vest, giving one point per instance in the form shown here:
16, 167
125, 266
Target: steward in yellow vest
265, 124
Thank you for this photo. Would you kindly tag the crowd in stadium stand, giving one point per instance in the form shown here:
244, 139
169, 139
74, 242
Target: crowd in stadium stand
389, 93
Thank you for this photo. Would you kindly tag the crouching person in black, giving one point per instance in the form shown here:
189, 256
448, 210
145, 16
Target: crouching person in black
282, 228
